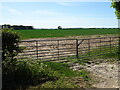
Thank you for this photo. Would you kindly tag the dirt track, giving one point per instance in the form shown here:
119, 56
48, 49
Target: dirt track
104, 74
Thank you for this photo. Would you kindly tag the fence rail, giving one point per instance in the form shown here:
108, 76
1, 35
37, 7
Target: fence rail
59, 49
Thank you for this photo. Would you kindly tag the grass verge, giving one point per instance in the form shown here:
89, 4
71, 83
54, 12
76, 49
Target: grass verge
68, 78
30, 74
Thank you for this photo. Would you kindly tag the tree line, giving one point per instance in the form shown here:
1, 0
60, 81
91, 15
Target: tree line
16, 27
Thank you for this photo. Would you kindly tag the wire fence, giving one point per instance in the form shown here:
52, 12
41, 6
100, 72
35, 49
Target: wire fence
60, 49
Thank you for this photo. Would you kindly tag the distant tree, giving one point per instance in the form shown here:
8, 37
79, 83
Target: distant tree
59, 27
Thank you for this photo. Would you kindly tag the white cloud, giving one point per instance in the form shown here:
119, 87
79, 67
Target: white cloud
11, 10
43, 14
14, 11
46, 12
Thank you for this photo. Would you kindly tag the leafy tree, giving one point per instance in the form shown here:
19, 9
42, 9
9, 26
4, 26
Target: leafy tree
116, 5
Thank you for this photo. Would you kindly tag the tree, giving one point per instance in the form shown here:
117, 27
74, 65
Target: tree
116, 5
59, 27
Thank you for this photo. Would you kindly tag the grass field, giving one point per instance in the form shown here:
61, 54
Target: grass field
37, 33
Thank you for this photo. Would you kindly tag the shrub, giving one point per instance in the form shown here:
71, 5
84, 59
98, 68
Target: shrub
28, 73
10, 47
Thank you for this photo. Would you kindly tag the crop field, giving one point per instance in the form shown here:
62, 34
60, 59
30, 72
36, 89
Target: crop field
49, 33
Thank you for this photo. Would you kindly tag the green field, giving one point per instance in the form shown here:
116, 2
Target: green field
37, 33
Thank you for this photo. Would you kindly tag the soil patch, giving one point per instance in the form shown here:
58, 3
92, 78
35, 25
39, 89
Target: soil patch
104, 74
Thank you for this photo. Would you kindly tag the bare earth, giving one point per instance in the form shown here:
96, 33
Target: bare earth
107, 75
104, 74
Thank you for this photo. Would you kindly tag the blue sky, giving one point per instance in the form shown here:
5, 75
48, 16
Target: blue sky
53, 14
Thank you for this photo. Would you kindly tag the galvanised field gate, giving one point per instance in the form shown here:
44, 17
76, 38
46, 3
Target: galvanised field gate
60, 49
